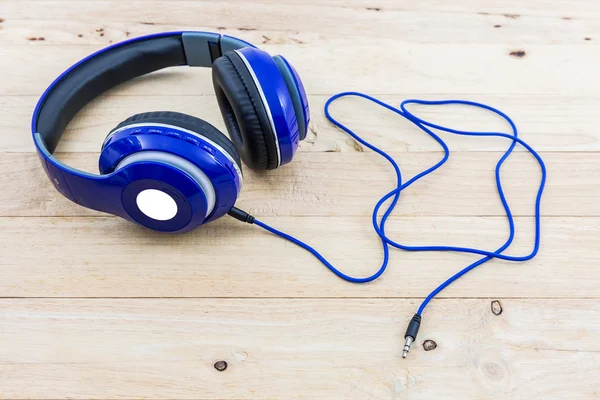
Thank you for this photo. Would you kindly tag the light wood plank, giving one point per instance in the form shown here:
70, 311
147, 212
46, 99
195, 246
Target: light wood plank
541, 124
286, 349
315, 23
322, 184
98, 257
584, 8
415, 68
288, 327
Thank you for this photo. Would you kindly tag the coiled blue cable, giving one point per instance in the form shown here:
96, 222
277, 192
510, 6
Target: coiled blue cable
379, 225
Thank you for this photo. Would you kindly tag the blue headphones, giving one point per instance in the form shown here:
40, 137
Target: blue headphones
169, 171
172, 172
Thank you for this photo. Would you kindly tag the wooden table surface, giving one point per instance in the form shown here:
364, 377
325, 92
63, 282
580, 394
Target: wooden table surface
94, 307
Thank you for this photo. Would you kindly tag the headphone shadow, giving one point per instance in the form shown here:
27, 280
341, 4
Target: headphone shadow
223, 230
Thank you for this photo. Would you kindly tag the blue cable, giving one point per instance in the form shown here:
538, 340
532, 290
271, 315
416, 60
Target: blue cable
379, 226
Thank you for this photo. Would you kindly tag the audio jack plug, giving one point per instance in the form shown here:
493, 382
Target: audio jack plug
411, 333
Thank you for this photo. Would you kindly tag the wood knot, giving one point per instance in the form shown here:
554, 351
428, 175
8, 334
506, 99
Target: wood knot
221, 365
357, 146
493, 371
496, 307
518, 53
429, 345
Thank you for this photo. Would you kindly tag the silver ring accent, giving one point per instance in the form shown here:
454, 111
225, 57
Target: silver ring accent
264, 100
229, 157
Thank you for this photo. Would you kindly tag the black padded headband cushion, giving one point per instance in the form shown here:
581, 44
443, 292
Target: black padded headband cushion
188, 122
244, 113
96, 75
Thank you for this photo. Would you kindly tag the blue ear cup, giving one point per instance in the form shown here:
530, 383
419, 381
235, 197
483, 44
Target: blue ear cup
297, 93
244, 112
182, 156
185, 121
257, 107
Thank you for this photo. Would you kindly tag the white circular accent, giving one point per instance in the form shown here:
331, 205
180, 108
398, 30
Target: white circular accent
156, 204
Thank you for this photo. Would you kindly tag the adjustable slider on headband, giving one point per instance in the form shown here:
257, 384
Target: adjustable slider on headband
203, 48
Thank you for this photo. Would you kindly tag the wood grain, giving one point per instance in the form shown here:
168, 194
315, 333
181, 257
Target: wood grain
92, 306
543, 124
286, 349
109, 257
304, 23
471, 69
587, 9
308, 188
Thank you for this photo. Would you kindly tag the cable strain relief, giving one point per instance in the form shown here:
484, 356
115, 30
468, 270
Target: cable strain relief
413, 327
241, 215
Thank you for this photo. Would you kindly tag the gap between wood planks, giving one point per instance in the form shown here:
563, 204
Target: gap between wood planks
438, 297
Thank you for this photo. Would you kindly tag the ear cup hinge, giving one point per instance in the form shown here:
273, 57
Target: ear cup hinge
229, 43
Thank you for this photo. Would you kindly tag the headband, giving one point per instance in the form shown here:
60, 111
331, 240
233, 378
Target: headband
111, 66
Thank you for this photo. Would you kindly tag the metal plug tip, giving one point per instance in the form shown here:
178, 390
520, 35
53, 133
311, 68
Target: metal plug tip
407, 344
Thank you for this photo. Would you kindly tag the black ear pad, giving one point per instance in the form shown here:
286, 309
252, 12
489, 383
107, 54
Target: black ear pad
244, 113
188, 122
